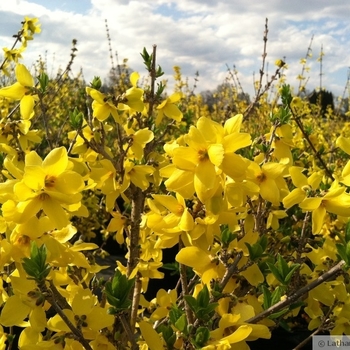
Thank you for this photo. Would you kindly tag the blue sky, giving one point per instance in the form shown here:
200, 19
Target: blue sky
197, 35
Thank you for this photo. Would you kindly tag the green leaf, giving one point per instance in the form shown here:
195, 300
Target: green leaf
255, 251
347, 251
347, 232
43, 79
276, 295
169, 335
118, 291
342, 252
282, 266
202, 336
174, 314
96, 83
263, 242
278, 314
290, 274
227, 236
159, 72
275, 271
76, 119
192, 302
36, 266
267, 297
181, 323
203, 297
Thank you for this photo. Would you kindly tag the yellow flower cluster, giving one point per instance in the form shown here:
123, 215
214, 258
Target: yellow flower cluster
257, 203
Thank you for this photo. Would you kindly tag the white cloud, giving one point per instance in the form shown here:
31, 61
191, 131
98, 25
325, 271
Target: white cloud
195, 34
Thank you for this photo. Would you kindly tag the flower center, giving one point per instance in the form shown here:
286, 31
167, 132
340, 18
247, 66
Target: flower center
50, 181
203, 155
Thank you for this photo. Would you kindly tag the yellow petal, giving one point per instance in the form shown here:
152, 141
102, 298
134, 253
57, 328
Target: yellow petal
15, 91
185, 158
23, 76
253, 275
134, 77
99, 319
173, 112
310, 203
56, 161
186, 222
234, 142
83, 302
27, 107
211, 131
55, 212
294, 197
151, 337
298, 178
240, 334
344, 144
318, 216
170, 203
216, 153
14, 311
270, 191
193, 257
175, 97
37, 319
56, 323
273, 170
259, 331
233, 125
28, 337
205, 174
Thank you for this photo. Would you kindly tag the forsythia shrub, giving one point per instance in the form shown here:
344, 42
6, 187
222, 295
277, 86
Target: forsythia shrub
257, 203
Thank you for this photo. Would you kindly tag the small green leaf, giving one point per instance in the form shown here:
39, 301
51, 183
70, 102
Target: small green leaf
267, 297
43, 79
174, 314
255, 251
202, 336
118, 291
181, 323
293, 268
192, 302
96, 83
282, 266
76, 119
278, 314
275, 272
276, 295
203, 297
342, 252
347, 232
168, 335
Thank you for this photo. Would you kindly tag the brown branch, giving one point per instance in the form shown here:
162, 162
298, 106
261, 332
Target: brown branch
294, 297
128, 331
135, 301
300, 126
230, 271
80, 337
184, 285
318, 330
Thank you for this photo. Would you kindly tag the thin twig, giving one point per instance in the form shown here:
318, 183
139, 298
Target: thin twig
294, 297
300, 126
128, 331
184, 285
318, 330
230, 271
75, 331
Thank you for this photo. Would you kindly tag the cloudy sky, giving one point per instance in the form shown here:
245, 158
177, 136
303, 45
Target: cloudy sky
197, 35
